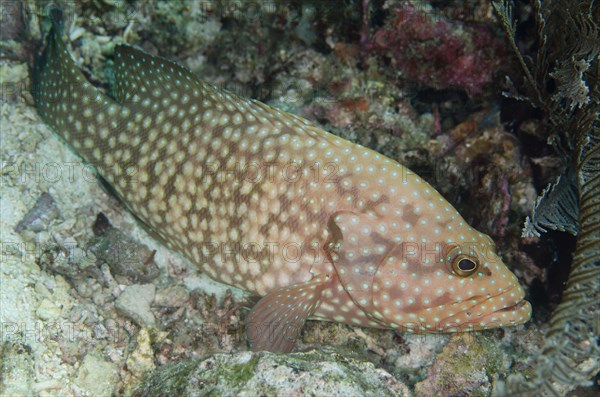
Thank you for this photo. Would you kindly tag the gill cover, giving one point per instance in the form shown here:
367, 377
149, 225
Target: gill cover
357, 249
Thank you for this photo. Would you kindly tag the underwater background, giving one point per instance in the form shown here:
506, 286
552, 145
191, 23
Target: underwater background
490, 102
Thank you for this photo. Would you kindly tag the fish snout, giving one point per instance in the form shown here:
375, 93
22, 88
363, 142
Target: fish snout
512, 309
509, 308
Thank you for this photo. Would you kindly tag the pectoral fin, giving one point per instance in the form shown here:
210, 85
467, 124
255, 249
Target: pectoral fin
275, 322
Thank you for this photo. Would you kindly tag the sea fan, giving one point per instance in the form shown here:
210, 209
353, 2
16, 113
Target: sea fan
556, 208
568, 45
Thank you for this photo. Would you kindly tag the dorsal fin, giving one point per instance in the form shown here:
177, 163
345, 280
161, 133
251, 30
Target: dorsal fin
141, 74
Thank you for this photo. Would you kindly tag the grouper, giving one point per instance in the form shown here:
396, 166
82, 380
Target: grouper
319, 227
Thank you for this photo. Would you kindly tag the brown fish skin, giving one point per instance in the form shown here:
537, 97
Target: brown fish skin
266, 201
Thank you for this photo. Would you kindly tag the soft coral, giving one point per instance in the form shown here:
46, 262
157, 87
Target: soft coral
437, 52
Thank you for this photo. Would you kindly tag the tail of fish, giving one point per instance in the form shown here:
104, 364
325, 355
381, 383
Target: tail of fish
66, 101
123, 135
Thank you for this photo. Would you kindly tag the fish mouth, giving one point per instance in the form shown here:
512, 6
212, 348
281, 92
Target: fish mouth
516, 306
516, 310
509, 308
511, 299
513, 310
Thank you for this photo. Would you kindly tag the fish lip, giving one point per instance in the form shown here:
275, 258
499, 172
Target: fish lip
516, 306
513, 303
494, 319
518, 299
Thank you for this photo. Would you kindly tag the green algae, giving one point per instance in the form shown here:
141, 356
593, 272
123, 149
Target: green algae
174, 379
465, 367
240, 374
171, 379
251, 374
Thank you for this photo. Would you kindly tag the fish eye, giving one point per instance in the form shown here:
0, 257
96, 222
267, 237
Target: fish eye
464, 265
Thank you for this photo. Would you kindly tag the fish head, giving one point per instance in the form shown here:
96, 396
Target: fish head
428, 285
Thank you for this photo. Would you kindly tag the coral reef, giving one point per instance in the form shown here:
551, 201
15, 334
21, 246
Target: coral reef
436, 52
466, 367
414, 80
257, 374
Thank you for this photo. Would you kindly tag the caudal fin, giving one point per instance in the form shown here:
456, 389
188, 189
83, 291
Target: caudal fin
64, 99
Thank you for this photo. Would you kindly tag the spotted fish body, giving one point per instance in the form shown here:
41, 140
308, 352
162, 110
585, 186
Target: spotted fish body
266, 201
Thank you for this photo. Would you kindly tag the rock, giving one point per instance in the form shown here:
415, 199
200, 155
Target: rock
141, 359
40, 215
264, 373
465, 367
134, 302
97, 376
17, 368
124, 256
172, 296
48, 310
